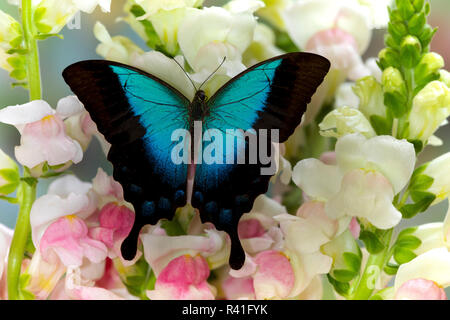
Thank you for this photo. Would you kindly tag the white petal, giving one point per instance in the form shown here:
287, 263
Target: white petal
268, 206
316, 179
26, 113
49, 208
68, 184
395, 159
305, 18
433, 265
367, 195
69, 106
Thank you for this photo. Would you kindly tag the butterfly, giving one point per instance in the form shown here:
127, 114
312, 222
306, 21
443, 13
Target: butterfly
138, 113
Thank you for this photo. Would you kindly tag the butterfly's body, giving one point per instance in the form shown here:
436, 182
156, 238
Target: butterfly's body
137, 112
198, 109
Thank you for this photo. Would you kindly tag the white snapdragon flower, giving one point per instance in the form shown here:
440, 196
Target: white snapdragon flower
424, 277
345, 120
209, 35
118, 48
338, 30
431, 107
152, 7
367, 175
53, 15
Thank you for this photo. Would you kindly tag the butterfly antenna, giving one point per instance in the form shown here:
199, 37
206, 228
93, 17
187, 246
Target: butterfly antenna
187, 75
224, 58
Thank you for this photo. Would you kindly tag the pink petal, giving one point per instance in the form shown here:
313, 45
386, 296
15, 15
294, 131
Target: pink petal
184, 278
355, 228
420, 289
120, 219
238, 288
68, 237
250, 228
46, 140
274, 276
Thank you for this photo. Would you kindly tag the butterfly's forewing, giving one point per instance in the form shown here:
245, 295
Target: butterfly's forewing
269, 95
137, 114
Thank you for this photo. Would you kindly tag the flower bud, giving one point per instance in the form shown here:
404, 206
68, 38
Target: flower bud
9, 174
371, 97
405, 8
346, 257
388, 58
394, 91
10, 38
418, 4
428, 67
343, 121
410, 51
431, 106
439, 170
416, 23
445, 77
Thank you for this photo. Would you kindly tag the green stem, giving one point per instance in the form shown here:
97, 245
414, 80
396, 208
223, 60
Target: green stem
26, 195
33, 72
372, 271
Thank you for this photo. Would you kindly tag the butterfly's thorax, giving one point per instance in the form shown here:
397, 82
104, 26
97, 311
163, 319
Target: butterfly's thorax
197, 107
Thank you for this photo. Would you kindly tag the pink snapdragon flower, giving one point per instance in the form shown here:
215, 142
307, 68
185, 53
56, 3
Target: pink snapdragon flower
43, 134
76, 226
115, 224
283, 251
184, 278
420, 289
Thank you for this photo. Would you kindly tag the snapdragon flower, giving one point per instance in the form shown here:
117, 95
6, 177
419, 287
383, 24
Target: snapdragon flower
10, 38
369, 172
209, 35
43, 136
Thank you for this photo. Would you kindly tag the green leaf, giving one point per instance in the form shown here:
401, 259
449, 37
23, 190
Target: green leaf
408, 242
18, 74
407, 231
43, 28
173, 228
421, 182
30, 181
422, 200
405, 8
381, 125
341, 288
391, 269
418, 145
396, 102
352, 261
44, 36
403, 255
344, 275
9, 199
410, 210
371, 241
416, 24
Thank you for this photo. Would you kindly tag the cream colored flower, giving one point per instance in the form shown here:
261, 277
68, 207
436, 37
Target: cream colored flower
208, 36
367, 175
431, 107
345, 120
10, 37
118, 48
